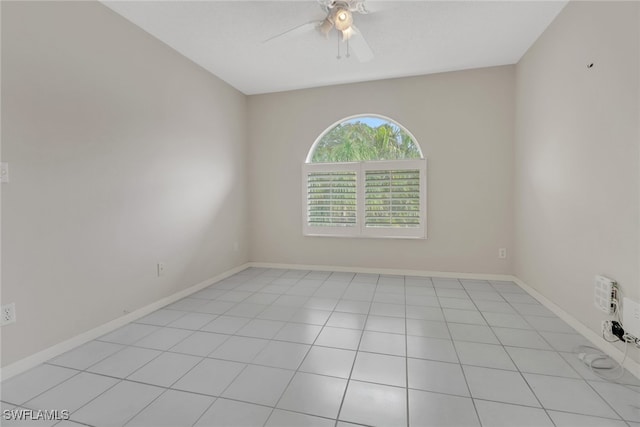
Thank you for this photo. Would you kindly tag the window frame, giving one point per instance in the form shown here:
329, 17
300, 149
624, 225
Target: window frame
360, 230
309, 157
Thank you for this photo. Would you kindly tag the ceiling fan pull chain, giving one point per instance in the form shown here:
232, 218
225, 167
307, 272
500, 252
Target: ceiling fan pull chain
338, 57
348, 54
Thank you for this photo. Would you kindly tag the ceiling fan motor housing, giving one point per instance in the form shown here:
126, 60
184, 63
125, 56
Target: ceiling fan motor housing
357, 6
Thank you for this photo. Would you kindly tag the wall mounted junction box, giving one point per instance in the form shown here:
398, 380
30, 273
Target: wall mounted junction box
605, 294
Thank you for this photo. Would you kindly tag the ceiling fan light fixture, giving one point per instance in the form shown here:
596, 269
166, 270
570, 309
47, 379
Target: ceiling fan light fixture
347, 33
342, 18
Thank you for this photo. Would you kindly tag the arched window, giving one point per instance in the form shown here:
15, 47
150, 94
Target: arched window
365, 176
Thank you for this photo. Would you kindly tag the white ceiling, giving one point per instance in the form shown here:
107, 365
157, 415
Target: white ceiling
407, 37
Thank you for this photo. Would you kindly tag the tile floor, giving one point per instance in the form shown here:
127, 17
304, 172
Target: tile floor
270, 347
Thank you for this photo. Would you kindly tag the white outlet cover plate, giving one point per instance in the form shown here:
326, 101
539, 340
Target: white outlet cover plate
11, 310
4, 172
631, 317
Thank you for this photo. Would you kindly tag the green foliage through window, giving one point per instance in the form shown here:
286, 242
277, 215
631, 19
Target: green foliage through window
365, 138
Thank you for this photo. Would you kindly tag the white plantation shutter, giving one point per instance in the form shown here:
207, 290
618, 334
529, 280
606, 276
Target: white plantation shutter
394, 198
329, 198
367, 199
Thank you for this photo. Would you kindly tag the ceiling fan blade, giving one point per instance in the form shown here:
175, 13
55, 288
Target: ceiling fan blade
325, 27
368, 6
296, 31
359, 46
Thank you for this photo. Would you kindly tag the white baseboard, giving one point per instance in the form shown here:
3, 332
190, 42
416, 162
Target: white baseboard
608, 348
53, 351
34, 360
593, 337
390, 271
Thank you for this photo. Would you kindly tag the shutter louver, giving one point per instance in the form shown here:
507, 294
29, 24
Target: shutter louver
331, 199
392, 198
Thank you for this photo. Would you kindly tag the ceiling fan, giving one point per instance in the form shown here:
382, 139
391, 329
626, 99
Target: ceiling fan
339, 16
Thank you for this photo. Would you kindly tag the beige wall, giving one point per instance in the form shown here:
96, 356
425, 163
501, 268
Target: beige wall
122, 153
464, 123
576, 157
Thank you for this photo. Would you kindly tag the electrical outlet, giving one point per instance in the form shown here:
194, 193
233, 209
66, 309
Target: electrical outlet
160, 269
502, 253
4, 172
8, 313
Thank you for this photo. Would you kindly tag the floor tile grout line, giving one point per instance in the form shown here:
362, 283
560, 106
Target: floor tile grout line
464, 375
429, 391
145, 407
136, 370
406, 354
536, 331
185, 374
355, 358
209, 356
580, 377
126, 379
343, 327
528, 385
216, 398
124, 346
100, 338
625, 421
436, 296
299, 365
536, 407
44, 391
164, 350
365, 381
109, 388
336, 377
184, 313
517, 370
604, 399
228, 385
296, 412
285, 322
